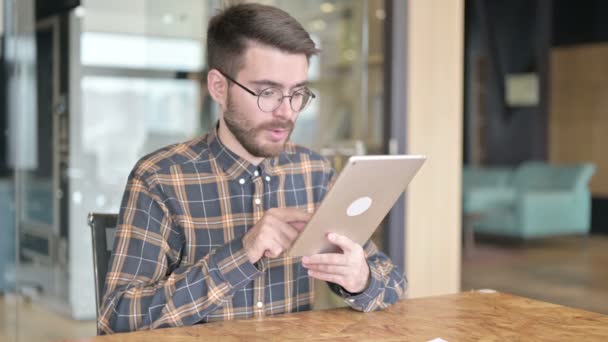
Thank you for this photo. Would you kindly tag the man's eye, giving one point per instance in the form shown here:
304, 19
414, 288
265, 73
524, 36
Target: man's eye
268, 92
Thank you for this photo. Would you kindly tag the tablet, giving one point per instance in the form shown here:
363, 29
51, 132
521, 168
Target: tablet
365, 191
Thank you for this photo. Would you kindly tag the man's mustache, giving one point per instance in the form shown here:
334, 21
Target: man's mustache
286, 125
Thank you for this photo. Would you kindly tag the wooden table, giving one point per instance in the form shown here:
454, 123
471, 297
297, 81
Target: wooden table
469, 316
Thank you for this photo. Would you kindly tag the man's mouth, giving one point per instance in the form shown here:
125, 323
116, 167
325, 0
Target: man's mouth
278, 134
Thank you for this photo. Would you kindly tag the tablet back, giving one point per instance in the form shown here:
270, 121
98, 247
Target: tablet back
363, 194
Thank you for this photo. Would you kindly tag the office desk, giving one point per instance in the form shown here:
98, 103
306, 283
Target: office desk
460, 317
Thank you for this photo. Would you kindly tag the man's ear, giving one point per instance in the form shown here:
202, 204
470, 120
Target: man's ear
218, 87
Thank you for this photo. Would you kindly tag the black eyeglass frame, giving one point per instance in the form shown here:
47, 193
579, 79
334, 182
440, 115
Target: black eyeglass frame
312, 95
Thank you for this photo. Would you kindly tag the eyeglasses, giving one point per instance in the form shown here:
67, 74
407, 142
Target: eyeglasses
271, 98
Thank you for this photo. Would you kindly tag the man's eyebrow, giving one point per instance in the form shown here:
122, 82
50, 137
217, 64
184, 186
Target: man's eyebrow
278, 85
301, 84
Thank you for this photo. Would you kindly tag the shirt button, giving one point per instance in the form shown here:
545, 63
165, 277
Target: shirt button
258, 201
351, 300
268, 178
260, 305
256, 173
242, 181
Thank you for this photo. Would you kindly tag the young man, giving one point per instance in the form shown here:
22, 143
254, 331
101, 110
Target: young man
204, 224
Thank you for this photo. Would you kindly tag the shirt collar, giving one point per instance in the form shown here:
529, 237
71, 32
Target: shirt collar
234, 165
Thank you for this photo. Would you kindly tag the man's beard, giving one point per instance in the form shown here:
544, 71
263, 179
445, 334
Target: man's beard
246, 135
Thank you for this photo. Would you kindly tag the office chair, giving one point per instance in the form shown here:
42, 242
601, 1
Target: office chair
103, 227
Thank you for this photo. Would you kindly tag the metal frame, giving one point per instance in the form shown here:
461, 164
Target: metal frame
29, 227
396, 106
127, 72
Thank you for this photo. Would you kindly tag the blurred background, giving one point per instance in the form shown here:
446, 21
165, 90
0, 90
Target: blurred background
514, 196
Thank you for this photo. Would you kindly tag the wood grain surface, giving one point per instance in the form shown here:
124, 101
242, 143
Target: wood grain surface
469, 316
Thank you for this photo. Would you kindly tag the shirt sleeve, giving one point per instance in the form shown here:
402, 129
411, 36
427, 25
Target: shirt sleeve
146, 287
386, 284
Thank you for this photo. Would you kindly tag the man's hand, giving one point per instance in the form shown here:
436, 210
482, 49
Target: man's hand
274, 233
348, 269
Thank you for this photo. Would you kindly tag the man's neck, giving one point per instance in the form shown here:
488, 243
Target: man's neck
230, 141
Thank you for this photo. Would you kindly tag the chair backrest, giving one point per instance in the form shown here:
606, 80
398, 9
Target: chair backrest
103, 227
545, 176
487, 176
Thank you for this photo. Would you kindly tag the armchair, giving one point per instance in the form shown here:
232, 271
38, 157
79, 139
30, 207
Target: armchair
545, 200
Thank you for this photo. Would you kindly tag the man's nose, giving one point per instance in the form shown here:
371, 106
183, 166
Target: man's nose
284, 110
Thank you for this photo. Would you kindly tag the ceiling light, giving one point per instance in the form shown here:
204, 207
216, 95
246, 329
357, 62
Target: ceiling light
349, 55
79, 11
318, 25
327, 7
168, 18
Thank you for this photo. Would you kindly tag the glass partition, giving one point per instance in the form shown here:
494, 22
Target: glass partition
23, 169
94, 88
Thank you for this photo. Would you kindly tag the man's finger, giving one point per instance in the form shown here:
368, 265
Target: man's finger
326, 258
341, 241
325, 268
288, 232
272, 252
289, 215
299, 225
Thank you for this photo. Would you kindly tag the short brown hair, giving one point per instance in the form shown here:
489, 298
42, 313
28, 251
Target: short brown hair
230, 30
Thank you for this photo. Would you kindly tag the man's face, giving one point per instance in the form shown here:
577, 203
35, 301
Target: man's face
264, 134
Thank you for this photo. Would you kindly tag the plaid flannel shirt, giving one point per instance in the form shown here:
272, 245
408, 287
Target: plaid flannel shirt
178, 257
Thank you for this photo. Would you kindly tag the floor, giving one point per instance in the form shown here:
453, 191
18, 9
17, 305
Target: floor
36, 323
571, 271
